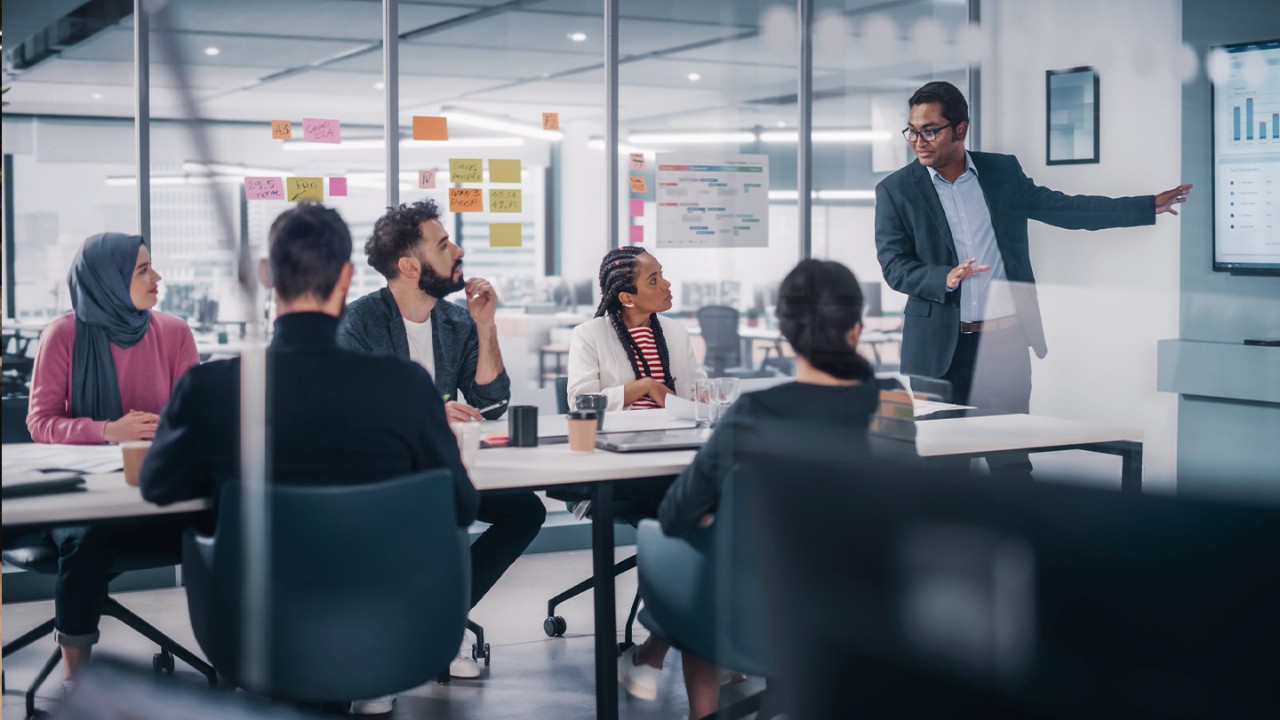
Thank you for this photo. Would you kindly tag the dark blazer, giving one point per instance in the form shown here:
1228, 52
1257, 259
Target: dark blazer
373, 324
334, 417
916, 251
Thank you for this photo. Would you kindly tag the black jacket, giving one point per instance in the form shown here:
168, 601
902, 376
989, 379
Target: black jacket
333, 416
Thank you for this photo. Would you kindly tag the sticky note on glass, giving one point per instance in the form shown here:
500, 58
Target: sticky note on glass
638, 185
505, 235
504, 171
430, 128
637, 161
550, 121
426, 179
263, 188
637, 207
637, 233
325, 131
466, 200
504, 201
337, 187
304, 188
465, 170
281, 130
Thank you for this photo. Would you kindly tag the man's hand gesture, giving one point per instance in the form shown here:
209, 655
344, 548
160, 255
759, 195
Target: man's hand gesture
1169, 199
482, 301
964, 271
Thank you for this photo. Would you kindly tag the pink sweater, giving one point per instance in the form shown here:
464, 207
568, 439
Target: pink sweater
146, 372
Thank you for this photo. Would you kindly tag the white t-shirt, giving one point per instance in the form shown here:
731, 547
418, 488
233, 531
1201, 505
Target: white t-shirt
421, 350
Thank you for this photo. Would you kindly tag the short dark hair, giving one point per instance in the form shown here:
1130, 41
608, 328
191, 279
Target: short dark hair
396, 233
819, 302
308, 245
954, 107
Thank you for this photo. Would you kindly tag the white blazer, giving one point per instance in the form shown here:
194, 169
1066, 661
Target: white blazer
598, 363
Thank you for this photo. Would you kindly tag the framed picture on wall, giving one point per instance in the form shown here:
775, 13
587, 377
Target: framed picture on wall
1071, 116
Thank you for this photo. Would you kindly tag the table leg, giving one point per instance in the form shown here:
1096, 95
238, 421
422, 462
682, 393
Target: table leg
1131, 467
606, 623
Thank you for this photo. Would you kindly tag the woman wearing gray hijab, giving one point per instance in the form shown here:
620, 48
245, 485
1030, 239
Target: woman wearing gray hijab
102, 374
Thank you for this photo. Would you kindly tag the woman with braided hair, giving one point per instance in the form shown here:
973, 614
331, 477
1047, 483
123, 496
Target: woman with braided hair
628, 352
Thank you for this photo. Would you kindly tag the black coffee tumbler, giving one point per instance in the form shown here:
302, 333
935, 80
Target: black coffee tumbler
523, 427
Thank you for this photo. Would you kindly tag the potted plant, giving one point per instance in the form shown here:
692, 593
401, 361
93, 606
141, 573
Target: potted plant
753, 317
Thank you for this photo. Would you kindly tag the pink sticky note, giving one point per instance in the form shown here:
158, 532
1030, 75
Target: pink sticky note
263, 188
637, 233
637, 207
325, 131
337, 186
426, 179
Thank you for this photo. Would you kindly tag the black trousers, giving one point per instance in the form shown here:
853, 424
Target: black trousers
991, 370
514, 521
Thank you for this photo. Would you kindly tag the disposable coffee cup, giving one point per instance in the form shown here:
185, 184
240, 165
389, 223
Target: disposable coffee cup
467, 433
133, 452
582, 430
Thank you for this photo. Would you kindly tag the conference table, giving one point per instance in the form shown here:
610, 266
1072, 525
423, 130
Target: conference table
550, 465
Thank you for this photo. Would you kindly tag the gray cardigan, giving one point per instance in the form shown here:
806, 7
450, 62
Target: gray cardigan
373, 324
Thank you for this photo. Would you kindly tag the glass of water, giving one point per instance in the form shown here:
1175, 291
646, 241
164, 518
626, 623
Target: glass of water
727, 390
705, 399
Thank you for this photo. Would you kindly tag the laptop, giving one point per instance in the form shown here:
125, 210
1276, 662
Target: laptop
38, 482
652, 440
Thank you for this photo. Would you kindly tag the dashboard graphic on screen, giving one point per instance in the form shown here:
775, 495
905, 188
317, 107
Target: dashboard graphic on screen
1246, 159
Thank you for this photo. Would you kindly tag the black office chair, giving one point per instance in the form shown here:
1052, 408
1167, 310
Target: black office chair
368, 590
15, 418
719, 325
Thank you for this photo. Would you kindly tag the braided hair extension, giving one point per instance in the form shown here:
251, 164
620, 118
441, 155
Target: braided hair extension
618, 274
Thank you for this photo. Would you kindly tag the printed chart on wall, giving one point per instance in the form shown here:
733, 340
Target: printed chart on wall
1247, 159
707, 200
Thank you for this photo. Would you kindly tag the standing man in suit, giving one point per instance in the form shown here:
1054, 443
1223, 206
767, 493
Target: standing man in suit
951, 233
410, 319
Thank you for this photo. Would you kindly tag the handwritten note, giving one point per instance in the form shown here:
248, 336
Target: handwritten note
281, 130
337, 187
430, 128
426, 179
638, 185
550, 121
466, 200
637, 161
465, 170
504, 201
637, 207
304, 188
637, 233
263, 188
505, 235
504, 171
325, 131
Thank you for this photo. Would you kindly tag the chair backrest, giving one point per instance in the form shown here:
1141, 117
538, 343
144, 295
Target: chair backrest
15, 419
562, 395
369, 587
719, 325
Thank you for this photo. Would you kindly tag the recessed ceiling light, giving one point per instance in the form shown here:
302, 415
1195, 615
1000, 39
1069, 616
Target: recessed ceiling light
577, 36
97, 96
379, 85
211, 51
694, 77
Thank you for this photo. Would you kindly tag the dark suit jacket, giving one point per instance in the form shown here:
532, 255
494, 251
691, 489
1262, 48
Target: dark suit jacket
333, 416
916, 251
373, 324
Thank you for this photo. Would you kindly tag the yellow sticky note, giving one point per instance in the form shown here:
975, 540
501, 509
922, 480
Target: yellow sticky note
638, 185
505, 235
504, 201
304, 188
504, 171
430, 128
465, 170
466, 200
281, 130
550, 121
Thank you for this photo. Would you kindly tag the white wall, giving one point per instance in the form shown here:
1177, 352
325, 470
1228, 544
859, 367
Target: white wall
1108, 296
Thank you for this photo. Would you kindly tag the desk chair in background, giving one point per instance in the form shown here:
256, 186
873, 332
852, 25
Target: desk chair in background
355, 611
719, 326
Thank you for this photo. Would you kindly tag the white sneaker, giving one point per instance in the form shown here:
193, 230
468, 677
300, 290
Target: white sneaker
373, 706
464, 667
641, 681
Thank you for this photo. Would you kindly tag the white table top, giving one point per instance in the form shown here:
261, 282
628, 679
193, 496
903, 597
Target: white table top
996, 433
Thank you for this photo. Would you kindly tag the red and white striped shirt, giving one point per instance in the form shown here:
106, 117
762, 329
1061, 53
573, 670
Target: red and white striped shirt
643, 336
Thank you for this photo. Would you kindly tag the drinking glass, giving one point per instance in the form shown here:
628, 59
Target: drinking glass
705, 397
727, 390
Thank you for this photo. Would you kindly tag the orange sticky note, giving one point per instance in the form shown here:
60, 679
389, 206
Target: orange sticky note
430, 128
426, 179
550, 121
504, 201
281, 130
466, 200
638, 185
505, 235
637, 161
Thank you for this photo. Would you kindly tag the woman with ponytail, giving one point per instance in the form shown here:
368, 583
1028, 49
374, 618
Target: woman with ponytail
629, 352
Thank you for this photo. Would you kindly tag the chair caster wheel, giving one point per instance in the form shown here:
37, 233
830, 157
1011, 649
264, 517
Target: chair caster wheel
554, 626
477, 654
162, 662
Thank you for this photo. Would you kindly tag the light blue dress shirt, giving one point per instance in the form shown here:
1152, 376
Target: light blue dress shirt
986, 295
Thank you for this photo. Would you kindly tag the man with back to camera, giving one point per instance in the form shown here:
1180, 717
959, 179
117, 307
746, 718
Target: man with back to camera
951, 233
410, 319
336, 416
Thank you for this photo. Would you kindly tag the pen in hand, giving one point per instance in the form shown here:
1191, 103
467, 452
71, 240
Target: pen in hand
494, 406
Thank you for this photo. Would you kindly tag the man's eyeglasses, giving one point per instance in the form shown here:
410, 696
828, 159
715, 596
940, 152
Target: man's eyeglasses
929, 134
